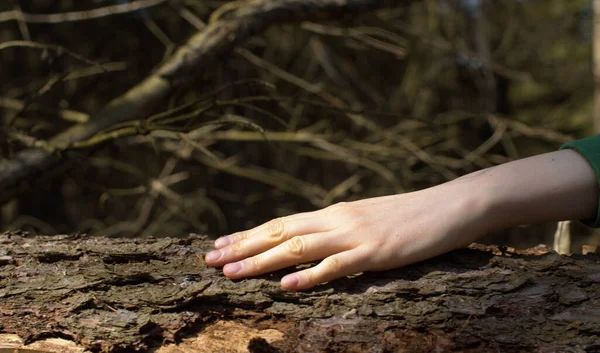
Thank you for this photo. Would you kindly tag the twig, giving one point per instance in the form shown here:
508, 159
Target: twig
519, 128
21, 21
500, 127
66, 114
161, 36
156, 186
56, 48
341, 188
191, 18
281, 181
74, 16
275, 136
284, 75
362, 35
95, 70
26, 140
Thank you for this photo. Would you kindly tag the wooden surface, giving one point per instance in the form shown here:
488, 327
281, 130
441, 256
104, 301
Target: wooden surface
116, 295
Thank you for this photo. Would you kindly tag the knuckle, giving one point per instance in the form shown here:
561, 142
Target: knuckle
255, 263
275, 229
310, 277
336, 208
241, 236
236, 247
334, 264
295, 246
344, 211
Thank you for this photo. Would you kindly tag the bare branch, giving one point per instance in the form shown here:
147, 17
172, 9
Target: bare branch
200, 51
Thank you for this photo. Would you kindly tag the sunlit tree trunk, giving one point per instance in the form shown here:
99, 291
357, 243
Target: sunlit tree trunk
562, 237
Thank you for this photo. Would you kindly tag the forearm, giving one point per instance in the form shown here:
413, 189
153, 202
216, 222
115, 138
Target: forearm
549, 187
392, 231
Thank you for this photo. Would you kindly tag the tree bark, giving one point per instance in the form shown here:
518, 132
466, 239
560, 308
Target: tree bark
79, 294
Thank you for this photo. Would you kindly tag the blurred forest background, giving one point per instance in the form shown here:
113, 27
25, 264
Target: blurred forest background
295, 118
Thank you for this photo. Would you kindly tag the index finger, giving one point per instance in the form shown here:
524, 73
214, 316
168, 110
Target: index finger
266, 236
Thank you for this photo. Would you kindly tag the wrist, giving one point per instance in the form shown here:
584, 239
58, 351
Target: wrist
487, 205
550, 187
485, 202
469, 209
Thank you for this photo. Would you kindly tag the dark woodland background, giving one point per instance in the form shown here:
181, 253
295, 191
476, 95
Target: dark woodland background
311, 114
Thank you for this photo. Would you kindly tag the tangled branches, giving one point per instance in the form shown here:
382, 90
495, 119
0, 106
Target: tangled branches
251, 110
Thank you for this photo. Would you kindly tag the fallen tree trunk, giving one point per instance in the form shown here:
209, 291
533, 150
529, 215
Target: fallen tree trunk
79, 293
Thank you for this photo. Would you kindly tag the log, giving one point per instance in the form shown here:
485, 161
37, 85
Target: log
75, 293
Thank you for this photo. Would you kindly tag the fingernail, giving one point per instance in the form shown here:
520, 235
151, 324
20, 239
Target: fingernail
232, 268
221, 242
290, 281
213, 255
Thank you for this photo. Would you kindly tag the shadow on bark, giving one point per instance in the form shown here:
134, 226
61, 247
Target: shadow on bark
116, 295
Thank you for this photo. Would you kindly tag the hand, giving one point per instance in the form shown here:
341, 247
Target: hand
367, 235
393, 231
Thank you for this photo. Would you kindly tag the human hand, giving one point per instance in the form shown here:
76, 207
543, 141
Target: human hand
393, 231
368, 235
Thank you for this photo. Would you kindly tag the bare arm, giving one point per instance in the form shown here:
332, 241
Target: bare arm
549, 187
393, 231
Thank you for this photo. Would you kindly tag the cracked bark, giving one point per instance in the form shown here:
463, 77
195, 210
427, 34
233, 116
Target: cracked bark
112, 295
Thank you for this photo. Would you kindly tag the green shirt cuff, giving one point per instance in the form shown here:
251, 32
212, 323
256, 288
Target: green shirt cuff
589, 148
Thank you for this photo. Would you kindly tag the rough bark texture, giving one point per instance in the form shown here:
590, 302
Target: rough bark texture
157, 294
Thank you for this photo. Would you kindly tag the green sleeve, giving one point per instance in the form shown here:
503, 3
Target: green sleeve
589, 148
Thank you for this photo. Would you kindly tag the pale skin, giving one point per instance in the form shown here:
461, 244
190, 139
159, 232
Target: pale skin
393, 231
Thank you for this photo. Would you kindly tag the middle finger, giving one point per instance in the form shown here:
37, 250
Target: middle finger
267, 236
